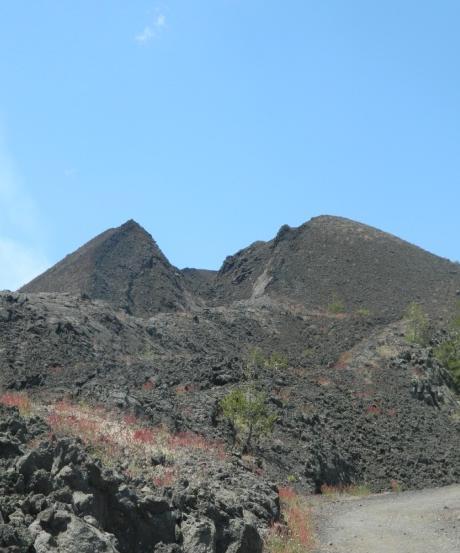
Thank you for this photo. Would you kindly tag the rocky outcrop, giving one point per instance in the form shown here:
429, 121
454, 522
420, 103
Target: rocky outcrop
56, 498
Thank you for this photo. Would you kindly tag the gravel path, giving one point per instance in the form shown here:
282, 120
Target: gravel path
426, 521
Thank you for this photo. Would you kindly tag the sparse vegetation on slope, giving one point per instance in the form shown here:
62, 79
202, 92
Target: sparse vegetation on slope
418, 325
118, 439
19, 400
336, 306
295, 533
448, 352
357, 490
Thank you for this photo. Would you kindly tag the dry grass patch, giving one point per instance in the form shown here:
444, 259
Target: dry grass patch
387, 351
455, 417
148, 385
396, 486
295, 535
284, 394
374, 410
115, 439
356, 490
19, 400
185, 389
343, 360
121, 440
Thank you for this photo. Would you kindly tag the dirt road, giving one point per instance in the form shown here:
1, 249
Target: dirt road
426, 521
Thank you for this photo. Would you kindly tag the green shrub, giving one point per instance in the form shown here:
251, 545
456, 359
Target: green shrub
257, 360
418, 325
276, 361
336, 306
448, 353
455, 322
246, 410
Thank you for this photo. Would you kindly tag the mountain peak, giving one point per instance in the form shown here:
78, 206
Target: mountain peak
131, 224
333, 257
332, 221
124, 266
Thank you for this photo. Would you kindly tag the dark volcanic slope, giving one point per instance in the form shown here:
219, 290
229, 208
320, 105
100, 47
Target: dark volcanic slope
381, 412
331, 259
199, 281
354, 401
324, 261
124, 266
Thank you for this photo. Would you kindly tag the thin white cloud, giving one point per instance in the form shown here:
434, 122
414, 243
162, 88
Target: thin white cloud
146, 35
160, 21
21, 234
70, 173
152, 31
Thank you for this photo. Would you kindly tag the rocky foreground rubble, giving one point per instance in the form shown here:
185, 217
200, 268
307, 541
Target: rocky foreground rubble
54, 496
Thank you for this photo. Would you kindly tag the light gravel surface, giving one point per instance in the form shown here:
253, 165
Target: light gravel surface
425, 521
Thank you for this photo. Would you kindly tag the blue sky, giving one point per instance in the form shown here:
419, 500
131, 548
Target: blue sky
214, 122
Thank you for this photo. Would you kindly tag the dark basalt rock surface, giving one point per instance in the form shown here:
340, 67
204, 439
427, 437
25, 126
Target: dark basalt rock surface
54, 497
359, 416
